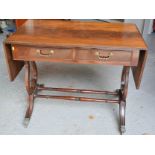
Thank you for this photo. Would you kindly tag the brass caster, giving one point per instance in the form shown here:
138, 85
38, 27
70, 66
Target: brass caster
122, 129
26, 122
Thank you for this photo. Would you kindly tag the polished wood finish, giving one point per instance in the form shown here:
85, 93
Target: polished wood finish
139, 69
78, 34
85, 35
41, 87
20, 22
75, 55
79, 43
13, 66
123, 95
75, 98
42, 54
31, 76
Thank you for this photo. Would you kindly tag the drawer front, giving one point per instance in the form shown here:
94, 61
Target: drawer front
81, 56
41, 54
106, 56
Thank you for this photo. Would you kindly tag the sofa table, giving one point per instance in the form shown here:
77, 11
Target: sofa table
76, 42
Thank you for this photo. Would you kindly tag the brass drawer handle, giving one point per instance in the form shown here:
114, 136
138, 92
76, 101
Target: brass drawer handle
103, 57
45, 54
13, 48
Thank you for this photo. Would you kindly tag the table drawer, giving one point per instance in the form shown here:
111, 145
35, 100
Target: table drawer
81, 56
41, 54
108, 56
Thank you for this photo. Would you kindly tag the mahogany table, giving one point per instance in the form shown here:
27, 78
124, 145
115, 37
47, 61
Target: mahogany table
76, 42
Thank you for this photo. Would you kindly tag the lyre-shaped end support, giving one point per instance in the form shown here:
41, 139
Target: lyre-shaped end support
31, 75
123, 95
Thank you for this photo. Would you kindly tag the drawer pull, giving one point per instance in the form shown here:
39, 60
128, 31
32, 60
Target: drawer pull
103, 57
45, 54
13, 48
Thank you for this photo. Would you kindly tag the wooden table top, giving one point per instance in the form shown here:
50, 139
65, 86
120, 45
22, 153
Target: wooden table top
78, 34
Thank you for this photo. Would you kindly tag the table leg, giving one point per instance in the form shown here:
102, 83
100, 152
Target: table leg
31, 76
123, 95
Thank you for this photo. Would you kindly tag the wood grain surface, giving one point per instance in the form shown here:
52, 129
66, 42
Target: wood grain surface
78, 34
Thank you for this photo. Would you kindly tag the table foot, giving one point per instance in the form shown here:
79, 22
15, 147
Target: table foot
122, 129
122, 107
26, 122
29, 110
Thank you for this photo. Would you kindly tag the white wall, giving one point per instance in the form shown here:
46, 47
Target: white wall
148, 26
138, 22
144, 25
